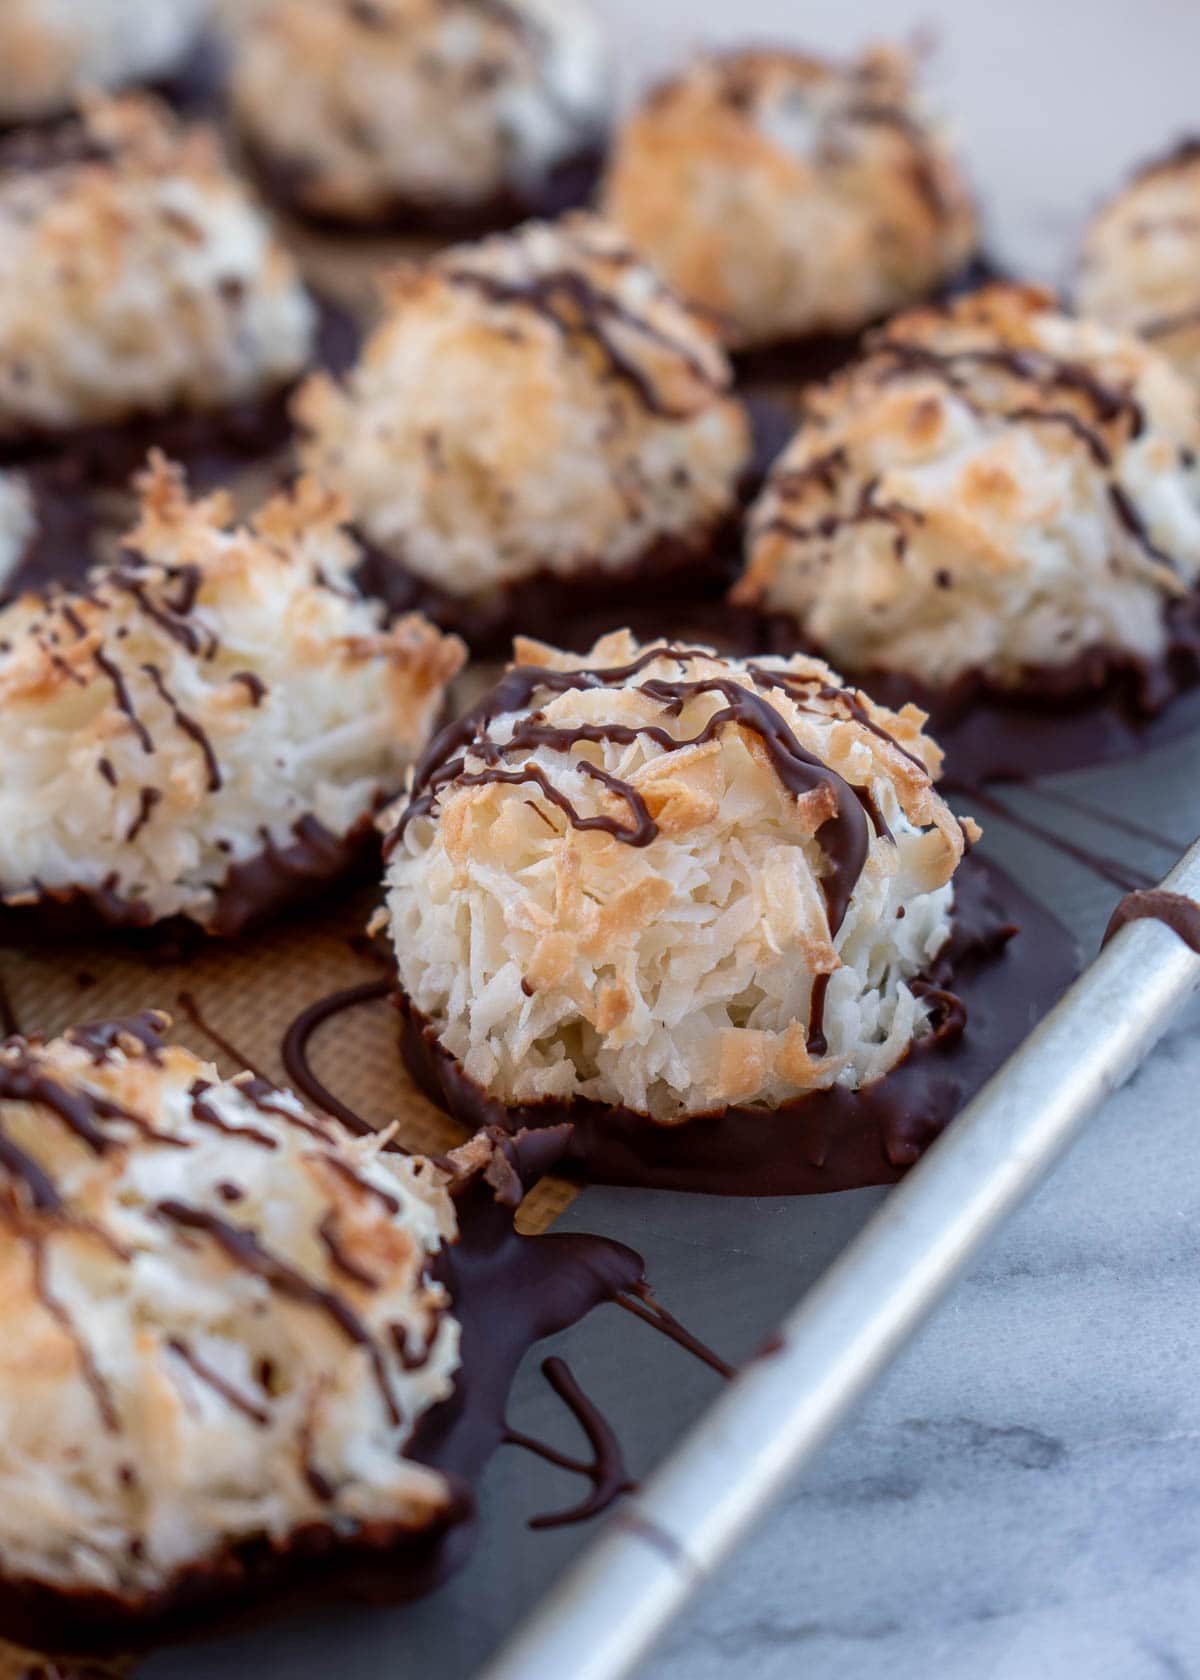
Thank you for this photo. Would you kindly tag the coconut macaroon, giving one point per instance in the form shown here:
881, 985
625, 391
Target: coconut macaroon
667, 882
220, 1329
534, 407
790, 195
205, 729
455, 114
51, 49
136, 277
996, 491
1139, 268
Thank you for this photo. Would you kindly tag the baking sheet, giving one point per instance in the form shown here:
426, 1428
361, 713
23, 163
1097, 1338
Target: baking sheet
731, 1269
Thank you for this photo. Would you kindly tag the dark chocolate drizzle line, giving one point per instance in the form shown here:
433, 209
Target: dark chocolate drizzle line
148, 799
606, 1471
642, 1303
42, 1189
101, 1038
570, 301
23, 1081
332, 1243
1048, 373
1124, 876
187, 726
243, 1248
817, 1044
214, 1380
191, 1009
101, 1393
171, 619
267, 1098
844, 838
1174, 910
205, 1114
299, 1035
124, 701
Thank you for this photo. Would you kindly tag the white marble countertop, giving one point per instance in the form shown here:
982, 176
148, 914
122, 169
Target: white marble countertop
1021, 1498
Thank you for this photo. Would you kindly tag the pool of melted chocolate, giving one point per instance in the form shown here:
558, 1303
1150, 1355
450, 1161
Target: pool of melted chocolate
1007, 963
570, 184
509, 1292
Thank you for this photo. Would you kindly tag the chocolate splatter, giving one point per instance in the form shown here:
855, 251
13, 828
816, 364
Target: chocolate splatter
1174, 910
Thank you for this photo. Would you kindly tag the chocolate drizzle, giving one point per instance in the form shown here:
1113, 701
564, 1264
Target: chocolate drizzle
641, 1302
606, 1471
191, 1009
574, 304
1174, 910
844, 836
214, 1380
244, 1249
295, 1052
187, 726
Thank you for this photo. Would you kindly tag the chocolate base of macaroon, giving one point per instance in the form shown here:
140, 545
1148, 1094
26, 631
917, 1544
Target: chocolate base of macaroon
816, 356
563, 608
569, 185
678, 579
1097, 708
313, 864
508, 1292
1007, 962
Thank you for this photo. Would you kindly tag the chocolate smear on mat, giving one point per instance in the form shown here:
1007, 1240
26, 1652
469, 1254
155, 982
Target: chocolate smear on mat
297, 1040
606, 1470
651, 1311
1007, 962
1175, 910
191, 1009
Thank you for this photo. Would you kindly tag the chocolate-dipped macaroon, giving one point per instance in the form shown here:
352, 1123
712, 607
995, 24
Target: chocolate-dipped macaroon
1139, 268
996, 512
140, 289
452, 117
204, 729
239, 1348
792, 196
706, 909
537, 423
51, 49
